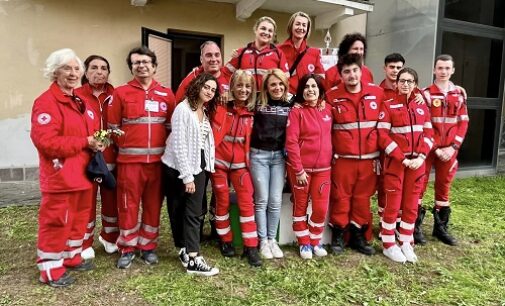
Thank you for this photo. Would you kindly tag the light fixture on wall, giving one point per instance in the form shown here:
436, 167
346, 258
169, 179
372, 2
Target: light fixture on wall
138, 2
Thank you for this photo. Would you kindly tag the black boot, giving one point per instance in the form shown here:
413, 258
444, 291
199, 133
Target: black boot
253, 256
337, 240
418, 232
441, 219
227, 249
358, 242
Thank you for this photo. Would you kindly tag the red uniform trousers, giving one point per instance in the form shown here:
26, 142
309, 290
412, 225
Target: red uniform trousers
444, 175
318, 188
242, 183
110, 229
136, 183
402, 187
354, 182
62, 224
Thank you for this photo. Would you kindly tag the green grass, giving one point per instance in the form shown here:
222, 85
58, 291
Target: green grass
472, 273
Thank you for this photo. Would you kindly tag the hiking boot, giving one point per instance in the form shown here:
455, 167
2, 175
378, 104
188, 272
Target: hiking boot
64, 281
125, 261
319, 251
408, 252
85, 265
227, 249
253, 257
274, 247
183, 257
440, 228
306, 251
198, 266
265, 250
337, 240
108, 246
88, 253
418, 231
149, 257
395, 254
358, 242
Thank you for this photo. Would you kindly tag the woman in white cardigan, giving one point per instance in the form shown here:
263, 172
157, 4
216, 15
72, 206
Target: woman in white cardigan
189, 153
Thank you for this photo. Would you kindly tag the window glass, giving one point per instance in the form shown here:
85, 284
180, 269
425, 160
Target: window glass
478, 63
477, 149
488, 12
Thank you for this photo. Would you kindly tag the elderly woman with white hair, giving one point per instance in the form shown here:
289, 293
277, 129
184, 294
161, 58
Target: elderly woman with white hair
62, 129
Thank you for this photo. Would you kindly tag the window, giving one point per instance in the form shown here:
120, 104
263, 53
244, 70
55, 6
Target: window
478, 147
488, 12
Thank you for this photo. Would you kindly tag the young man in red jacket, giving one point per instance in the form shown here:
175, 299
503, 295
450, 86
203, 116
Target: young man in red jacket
449, 116
356, 107
142, 108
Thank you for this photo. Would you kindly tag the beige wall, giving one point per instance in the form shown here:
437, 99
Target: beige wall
32, 29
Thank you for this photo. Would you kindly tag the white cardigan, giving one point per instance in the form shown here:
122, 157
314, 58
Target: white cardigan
182, 151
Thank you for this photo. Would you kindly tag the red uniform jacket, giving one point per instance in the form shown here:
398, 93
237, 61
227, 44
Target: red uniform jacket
99, 106
309, 63
355, 121
145, 130
389, 93
308, 139
405, 128
449, 115
60, 128
181, 91
257, 62
232, 127
332, 76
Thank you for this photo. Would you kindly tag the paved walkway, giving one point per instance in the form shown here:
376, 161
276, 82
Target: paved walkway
19, 193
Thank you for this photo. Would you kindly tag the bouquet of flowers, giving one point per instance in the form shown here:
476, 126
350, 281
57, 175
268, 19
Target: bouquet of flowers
104, 136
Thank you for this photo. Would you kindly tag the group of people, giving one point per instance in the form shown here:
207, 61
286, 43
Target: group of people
271, 112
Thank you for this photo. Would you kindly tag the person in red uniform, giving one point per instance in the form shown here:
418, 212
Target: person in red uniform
142, 108
405, 135
97, 92
296, 50
61, 129
354, 43
232, 126
356, 107
212, 62
308, 149
449, 116
260, 55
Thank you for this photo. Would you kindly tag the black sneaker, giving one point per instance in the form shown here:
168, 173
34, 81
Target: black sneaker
227, 249
253, 256
125, 261
149, 257
85, 265
183, 257
64, 281
198, 266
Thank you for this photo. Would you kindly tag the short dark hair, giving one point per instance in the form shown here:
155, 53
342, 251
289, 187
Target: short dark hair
347, 60
301, 86
88, 60
348, 40
393, 58
409, 71
194, 87
142, 51
443, 57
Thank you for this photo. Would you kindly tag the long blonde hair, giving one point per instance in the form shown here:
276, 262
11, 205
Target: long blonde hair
276, 72
239, 75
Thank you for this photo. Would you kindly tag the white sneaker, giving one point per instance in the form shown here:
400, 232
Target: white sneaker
306, 251
109, 247
265, 250
408, 251
276, 250
319, 251
88, 253
395, 254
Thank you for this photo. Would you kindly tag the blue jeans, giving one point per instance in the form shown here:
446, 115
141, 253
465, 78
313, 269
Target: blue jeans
267, 171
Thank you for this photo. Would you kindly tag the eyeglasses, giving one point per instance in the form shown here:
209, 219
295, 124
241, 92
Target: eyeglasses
409, 82
144, 62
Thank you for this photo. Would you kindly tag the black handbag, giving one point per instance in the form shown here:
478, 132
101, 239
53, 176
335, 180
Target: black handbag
97, 171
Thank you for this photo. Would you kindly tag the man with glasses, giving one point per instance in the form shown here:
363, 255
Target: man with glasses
142, 108
449, 117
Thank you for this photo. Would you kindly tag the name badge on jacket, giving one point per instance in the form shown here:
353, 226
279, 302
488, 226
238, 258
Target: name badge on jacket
152, 106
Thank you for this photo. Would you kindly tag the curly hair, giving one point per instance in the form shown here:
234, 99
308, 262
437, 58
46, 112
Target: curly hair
196, 85
347, 60
348, 41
